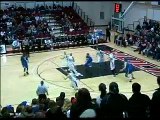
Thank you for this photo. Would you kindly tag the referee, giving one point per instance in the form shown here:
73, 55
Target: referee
42, 91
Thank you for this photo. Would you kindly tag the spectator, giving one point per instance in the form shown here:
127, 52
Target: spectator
54, 111
138, 103
155, 102
42, 91
19, 110
114, 104
39, 115
5, 113
35, 106
138, 27
119, 39
83, 106
41, 112
142, 46
66, 107
130, 41
157, 54
60, 99
16, 44
48, 44
108, 35
74, 99
2, 36
102, 89
28, 113
147, 49
153, 50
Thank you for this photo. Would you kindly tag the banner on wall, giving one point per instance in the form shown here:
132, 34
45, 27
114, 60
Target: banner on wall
3, 49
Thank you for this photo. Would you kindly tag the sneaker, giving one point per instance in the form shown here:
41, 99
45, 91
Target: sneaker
79, 74
130, 81
27, 73
24, 74
133, 78
126, 75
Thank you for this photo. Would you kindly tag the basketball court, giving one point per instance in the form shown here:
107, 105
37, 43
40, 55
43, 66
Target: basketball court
48, 66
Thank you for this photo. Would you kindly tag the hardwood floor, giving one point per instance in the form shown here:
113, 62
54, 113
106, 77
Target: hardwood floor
16, 88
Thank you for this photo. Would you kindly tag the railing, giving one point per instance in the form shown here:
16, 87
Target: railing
82, 14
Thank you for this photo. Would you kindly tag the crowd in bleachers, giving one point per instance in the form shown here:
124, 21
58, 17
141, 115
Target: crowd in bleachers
18, 23
146, 38
109, 104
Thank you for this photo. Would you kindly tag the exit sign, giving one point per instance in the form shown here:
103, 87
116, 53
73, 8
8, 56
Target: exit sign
117, 7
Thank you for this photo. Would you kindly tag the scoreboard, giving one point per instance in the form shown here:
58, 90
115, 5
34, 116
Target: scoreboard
117, 8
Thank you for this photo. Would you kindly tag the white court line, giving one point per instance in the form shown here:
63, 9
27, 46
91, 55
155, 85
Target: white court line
46, 59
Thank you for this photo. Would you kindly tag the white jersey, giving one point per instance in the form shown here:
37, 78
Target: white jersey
72, 76
66, 58
111, 55
74, 80
71, 59
65, 61
100, 55
112, 64
70, 62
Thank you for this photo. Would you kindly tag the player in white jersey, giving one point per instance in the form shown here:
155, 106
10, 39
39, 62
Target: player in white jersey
71, 65
112, 63
71, 58
65, 60
74, 80
113, 66
111, 55
100, 55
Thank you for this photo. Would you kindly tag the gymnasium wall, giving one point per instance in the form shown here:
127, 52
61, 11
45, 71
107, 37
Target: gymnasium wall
93, 9
138, 11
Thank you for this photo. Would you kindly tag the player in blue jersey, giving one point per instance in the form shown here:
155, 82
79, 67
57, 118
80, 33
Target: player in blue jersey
24, 62
89, 60
129, 68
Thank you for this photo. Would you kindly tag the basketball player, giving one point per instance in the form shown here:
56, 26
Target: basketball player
24, 62
112, 66
129, 68
125, 65
26, 44
71, 65
71, 58
111, 55
89, 60
74, 80
100, 55
88, 65
65, 60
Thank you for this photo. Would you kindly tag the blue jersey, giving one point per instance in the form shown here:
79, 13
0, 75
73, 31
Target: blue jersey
24, 61
129, 68
89, 61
